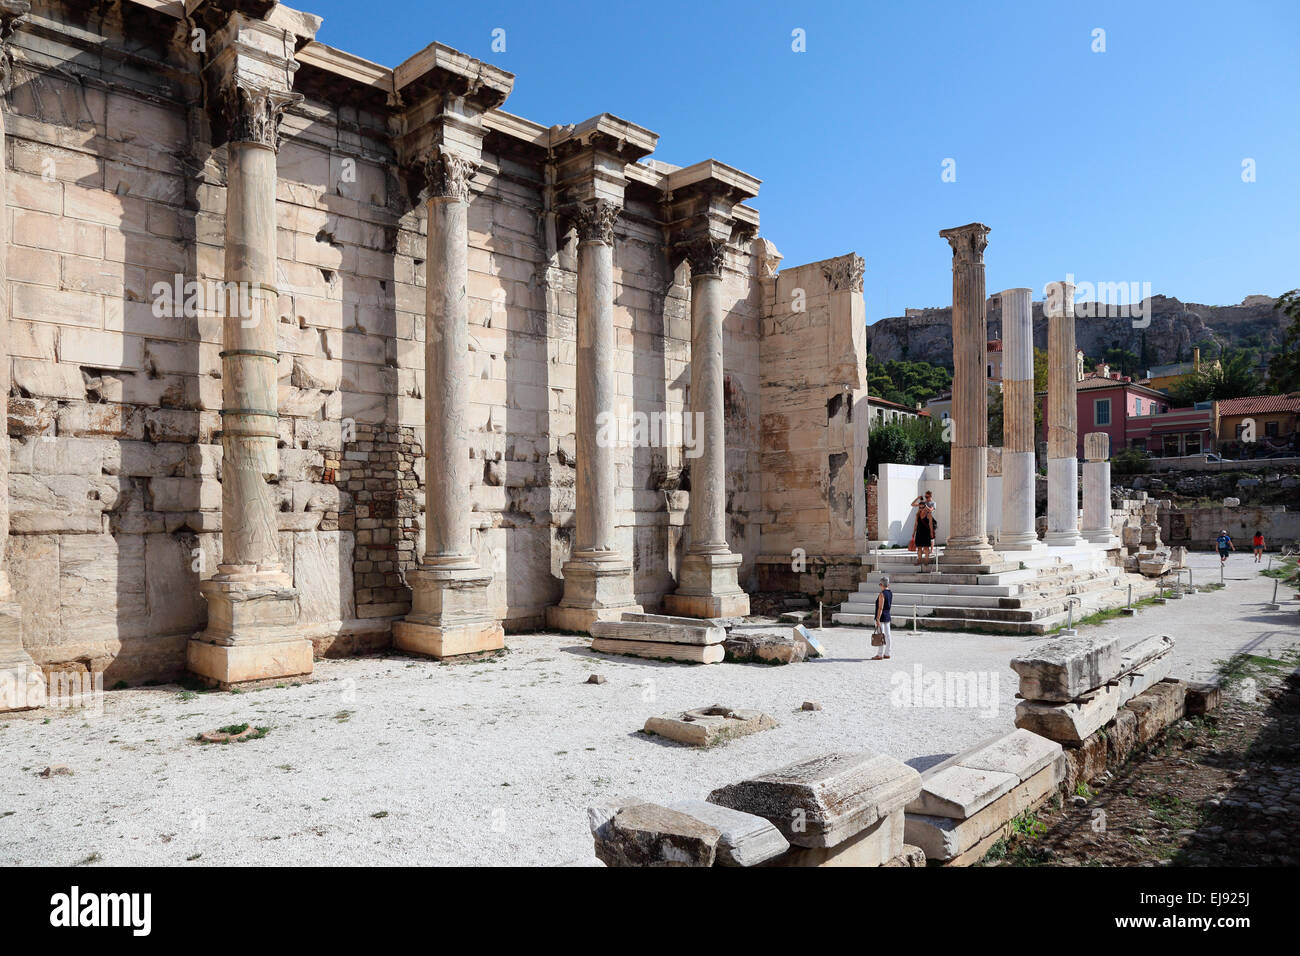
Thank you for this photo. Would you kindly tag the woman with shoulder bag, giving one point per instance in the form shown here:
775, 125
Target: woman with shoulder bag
880, 639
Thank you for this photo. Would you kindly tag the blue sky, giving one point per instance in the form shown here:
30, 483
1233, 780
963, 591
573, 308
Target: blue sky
1123, 165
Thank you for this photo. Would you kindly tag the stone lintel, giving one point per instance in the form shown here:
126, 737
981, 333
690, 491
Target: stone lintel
591, 158
704, 206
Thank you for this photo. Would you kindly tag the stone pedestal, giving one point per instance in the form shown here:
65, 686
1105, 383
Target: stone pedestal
707, 582
1096, 488
597, 579
448, 615
967, 539
1062, 419
1019, 472
22, 684
252, 605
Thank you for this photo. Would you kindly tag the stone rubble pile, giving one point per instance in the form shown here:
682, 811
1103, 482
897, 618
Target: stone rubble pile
968, 801
835, 809
1071, 687
1102, 701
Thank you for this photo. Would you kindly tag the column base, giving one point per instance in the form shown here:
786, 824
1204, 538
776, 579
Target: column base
979, 554
251, 634
22, 683
450, 616
1021, 543
596, 588
1100, 536
708, 586
1064, 539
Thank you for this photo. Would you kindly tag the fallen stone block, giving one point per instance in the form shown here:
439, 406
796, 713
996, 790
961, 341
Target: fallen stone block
824, 800
1019, 752
1068, 667
1144, 652
658, 632
706, 726
874, 846
1072, 722
1202, 698
692, 653
1156, 708
764, 647
813, 647
960, 792
911, 856
943, 838
746, 840
646, 834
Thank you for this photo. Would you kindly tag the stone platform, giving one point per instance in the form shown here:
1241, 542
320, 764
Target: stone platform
1027, 593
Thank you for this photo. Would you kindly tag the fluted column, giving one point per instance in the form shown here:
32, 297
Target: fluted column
967, 535
22, 684
450, 611
1019, 532
708, 584
597, 578
1096, 488
1062, 419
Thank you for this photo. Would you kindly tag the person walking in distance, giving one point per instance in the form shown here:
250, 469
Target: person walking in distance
884, 601
1258, 544
1225, 544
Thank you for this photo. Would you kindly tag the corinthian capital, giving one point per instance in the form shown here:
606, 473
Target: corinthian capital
446, 175
594, 220
706, 255
247, 113
968, 242
845, 272
11, 14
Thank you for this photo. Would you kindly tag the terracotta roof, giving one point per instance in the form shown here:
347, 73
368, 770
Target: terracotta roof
1260, 404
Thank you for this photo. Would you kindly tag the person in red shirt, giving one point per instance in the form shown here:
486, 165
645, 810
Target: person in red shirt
1258, 544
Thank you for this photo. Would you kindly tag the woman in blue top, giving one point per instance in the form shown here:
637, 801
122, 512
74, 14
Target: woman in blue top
884, 601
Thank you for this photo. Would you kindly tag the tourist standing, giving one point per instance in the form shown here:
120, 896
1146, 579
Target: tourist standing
924, 527
884, 601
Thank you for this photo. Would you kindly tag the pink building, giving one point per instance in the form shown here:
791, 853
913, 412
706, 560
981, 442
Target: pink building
1113, 403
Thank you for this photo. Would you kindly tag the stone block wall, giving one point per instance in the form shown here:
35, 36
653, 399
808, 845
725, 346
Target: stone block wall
814, 426
113, 190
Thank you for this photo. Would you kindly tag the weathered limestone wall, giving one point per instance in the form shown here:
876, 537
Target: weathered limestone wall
115, 493
813, 360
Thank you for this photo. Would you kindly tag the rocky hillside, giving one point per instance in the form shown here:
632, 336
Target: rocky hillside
926, 334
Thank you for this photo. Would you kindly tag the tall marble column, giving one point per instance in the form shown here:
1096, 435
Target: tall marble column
1096, 488
597, 578
708, 579
22, 684
450, 612
1019, 532
1062, 419
252, 631
967, 536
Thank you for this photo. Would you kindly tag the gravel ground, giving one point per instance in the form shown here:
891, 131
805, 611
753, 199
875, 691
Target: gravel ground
401, 761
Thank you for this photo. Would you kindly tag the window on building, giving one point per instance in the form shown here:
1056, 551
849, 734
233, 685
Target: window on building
1193, 443
1137, 406
1169, 447
1101, 411
1270, 429
1139, 443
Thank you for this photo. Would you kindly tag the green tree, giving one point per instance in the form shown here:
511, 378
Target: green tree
1284, 368
1235, 376
889, 444
927, 438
